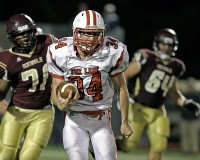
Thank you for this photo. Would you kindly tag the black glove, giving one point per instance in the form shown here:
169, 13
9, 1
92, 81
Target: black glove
192, 106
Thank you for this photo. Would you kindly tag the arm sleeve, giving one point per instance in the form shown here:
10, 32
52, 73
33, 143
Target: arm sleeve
52, 63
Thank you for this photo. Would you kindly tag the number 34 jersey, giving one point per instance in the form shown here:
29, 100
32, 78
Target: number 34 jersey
92, 76
155, 78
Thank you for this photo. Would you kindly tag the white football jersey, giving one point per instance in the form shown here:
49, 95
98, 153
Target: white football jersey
93, 76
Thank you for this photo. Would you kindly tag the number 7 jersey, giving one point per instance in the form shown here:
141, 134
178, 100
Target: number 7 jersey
93, 76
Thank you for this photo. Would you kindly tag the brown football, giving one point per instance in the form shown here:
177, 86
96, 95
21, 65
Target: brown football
64, 88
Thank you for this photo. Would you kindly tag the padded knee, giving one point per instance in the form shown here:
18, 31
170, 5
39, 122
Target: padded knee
160, 145
163, 126
159, 139
8, 153
32, 152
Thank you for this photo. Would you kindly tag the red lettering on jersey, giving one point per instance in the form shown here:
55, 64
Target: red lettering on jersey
91, 70
61, 43
76, 71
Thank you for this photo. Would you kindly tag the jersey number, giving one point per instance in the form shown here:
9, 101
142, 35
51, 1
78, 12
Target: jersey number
159, 79
33, 73
94, 88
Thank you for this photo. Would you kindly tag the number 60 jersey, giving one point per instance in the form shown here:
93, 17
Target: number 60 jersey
93, 76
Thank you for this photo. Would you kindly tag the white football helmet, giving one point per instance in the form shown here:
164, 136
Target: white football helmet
88, 31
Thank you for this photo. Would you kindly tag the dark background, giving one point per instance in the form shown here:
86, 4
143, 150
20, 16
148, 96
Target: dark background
140, 18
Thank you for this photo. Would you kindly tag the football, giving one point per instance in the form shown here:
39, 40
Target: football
64, 88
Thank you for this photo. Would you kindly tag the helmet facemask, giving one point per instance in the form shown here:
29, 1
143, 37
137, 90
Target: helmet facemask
88, 40
21, 31
88, 31
23, 42
165, 36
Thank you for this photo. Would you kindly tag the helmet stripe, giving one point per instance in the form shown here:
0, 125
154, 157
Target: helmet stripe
87, 17
94, 18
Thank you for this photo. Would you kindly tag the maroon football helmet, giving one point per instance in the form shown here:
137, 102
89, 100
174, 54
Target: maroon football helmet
166, 36
21, 31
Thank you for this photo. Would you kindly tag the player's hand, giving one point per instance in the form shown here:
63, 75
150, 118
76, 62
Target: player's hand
192, 106
3, 106
126, 130
69, 101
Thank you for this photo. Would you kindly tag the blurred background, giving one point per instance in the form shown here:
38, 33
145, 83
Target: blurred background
135, 23
140, 18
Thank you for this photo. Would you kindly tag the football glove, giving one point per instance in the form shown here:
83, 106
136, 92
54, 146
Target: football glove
192, 106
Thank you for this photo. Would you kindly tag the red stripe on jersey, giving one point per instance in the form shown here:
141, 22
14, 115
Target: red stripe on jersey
87, 17
94, 18
55, 62
119, 61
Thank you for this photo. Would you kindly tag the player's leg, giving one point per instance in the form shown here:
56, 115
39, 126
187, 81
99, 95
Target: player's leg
158, 132
37, 134
138, 123
76, 142
116, 123
11, 133
104, 147
75, 136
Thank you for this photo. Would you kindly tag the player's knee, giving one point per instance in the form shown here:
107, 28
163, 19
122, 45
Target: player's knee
8, 153
77, 153
161, 145
126, 145
163, 126
31, 152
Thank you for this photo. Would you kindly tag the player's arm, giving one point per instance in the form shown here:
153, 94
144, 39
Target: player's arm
53, 38
4, 86
121, 87
135, 65
3, 106
133, 69
182, 101
55, 83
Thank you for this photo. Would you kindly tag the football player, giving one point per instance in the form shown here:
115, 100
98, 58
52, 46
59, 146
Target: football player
157, 73
95, 64
30, 113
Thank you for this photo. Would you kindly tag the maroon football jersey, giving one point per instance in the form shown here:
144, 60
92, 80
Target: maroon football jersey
155, 78
28, 75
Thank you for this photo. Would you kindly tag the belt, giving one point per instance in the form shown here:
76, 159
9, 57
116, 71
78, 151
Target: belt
93, 114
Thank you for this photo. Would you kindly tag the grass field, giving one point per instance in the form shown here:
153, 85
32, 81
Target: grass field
57, 153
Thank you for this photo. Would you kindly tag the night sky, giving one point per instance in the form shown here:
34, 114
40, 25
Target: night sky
141, 19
